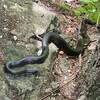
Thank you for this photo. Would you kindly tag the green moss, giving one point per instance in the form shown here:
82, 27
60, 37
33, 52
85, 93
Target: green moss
64, 7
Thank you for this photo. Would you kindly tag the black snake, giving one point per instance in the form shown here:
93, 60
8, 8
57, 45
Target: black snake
47, 39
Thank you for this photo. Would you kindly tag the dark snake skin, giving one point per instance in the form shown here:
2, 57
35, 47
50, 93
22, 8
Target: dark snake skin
47, 39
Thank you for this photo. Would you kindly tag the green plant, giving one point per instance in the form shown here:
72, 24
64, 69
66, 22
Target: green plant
64, 7
91, 8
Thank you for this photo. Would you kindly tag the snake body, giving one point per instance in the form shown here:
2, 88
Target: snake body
47, 39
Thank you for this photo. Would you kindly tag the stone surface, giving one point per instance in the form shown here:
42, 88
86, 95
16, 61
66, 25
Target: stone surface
19, 20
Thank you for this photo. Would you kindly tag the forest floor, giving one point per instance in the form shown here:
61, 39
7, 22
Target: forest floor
69, 25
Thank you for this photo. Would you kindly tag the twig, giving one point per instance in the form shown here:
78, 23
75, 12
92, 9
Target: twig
57, 89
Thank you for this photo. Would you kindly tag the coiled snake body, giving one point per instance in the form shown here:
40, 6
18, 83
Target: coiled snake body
47, 39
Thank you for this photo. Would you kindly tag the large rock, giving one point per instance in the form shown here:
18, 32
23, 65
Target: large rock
19, 20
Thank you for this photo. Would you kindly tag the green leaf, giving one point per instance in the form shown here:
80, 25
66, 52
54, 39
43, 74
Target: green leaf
88, 1
80, 11
85, 9
95, 16
90, 8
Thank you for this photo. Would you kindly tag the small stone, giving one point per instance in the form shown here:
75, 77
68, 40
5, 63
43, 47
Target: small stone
5, 6
48, 90
26, 46
15, 38
69, 71
65, 77
6, 29
54, 84
0, 36
13, 32
92, 46
61, 52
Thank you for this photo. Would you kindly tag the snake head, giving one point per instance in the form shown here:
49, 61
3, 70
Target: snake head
6, 67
